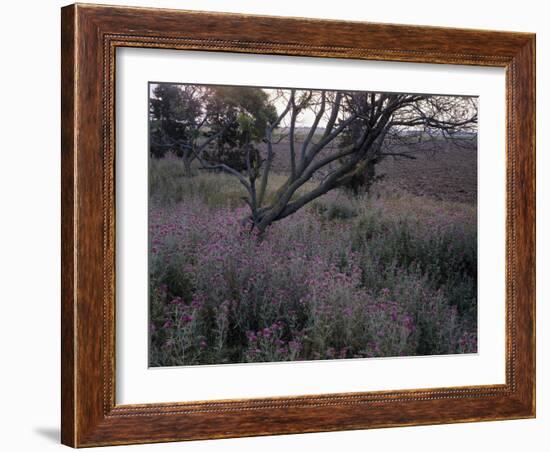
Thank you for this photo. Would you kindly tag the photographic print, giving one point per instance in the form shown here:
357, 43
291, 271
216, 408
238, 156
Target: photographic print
292, 224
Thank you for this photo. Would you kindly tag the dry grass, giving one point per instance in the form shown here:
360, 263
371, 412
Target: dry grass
168, 184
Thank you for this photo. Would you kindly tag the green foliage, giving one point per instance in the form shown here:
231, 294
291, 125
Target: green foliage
173, 113
247, 108
183, 117
242, 113
343, 209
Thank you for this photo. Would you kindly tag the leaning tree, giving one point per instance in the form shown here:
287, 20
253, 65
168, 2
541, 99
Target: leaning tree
370, 119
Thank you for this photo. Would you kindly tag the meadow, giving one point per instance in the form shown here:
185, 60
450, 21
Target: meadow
391, 273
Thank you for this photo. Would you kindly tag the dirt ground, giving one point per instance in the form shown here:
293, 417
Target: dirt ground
443, 172
447, 174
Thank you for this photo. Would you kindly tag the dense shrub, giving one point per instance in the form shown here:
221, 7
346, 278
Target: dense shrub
388, 275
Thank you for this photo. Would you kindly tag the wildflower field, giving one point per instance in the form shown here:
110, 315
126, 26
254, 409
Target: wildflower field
388, 274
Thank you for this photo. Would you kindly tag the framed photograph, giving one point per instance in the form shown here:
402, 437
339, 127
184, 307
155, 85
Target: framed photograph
281, 225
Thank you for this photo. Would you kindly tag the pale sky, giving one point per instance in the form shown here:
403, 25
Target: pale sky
279, 97
305, 118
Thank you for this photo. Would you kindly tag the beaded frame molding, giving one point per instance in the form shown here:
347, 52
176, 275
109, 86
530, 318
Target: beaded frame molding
90, 36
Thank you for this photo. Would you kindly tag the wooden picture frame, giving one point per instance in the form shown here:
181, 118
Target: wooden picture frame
90, 36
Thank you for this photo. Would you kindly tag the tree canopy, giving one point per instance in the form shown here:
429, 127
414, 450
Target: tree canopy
348, 134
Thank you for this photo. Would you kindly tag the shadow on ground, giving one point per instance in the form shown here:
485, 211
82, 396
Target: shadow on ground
50, 433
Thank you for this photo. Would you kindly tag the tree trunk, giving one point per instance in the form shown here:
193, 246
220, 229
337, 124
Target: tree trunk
188, 170
363, 178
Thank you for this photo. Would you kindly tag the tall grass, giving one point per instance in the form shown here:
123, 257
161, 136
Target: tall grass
388, 275
169, 185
